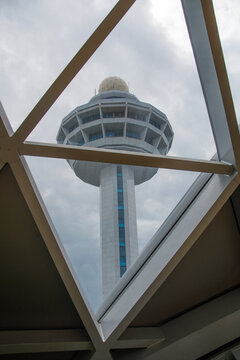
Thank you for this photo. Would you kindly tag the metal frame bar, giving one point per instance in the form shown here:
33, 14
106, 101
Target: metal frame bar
198, 331
71, 70
166, 257
53, 244
5, 133
123, 157
230, 351
207, 50
159, 236
203, 55
217, 53
30, 341
134, 338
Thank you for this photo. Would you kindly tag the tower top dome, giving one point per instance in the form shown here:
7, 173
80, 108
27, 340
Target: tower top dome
113, 83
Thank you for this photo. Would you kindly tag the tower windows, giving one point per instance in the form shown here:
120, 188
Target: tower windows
121, 224
114, 133
120, 198
113, 114
72, 127
90, 118
122, 270
95, 136
133, 134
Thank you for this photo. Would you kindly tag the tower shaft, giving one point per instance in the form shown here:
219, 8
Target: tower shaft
116, 119
119, 244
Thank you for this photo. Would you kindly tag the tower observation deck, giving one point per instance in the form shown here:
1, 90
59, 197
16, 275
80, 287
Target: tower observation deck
116, 119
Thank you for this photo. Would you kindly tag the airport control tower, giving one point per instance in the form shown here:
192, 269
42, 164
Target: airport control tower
116, 119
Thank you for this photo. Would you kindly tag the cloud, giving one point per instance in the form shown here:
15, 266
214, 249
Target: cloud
151, 50
74, 209
156, 199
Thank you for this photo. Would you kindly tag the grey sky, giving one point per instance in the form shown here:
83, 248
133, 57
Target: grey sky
151, 51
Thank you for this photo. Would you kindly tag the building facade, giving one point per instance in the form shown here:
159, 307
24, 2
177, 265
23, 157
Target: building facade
116, 119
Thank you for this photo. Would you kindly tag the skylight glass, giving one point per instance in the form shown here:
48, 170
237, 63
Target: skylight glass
75, 208
38, 39
157, 63
165, 75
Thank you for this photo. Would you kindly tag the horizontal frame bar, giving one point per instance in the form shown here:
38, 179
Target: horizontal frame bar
29, 341
139, 337
123, 157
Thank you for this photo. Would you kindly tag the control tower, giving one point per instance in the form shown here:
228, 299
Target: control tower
116, 119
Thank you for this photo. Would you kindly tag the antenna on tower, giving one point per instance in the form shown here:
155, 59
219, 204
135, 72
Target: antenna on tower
129, 86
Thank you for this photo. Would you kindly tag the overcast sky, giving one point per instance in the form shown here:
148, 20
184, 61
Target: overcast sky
151, 51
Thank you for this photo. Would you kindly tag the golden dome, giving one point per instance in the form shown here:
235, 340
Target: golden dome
113, 83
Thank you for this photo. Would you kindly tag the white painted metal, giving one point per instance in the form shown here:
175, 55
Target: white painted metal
162, 262
5, 133
210, 79
222, 76
166, 227
5, 127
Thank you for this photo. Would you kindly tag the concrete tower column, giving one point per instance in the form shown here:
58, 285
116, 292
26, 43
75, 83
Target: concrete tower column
118, 223
116, 119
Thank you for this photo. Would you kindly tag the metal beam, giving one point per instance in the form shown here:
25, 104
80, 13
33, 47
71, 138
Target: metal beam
166, 257
32, 341
5, 126
209, 77
1, 164
156, 240
102, 355
217, 53
43, 221
231, 352
199, 331
123, 157
71, 70
5, 133
142, 337
132, 338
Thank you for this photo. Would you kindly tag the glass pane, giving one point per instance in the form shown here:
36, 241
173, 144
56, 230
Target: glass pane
158, 108
74, 210
38, 39
157, 198
155, 60
103, 218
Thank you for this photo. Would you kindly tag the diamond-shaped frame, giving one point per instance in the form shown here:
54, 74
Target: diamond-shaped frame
207, 197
